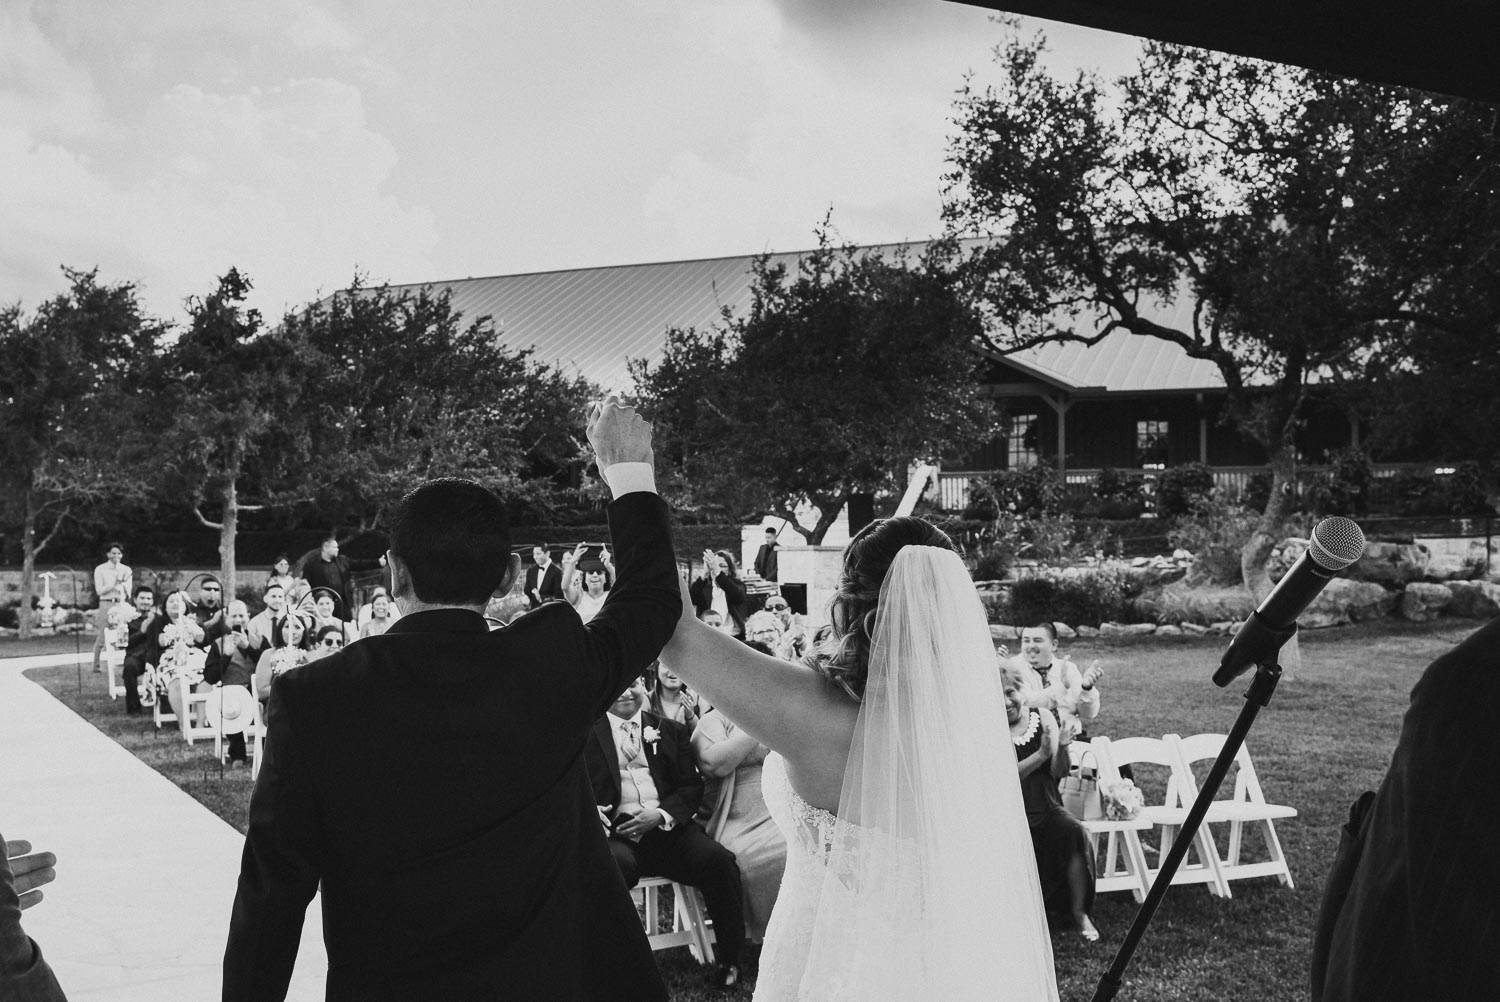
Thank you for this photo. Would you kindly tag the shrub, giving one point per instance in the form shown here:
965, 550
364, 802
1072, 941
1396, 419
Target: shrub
1179, 487
1344, 489
1214, 532
1257, 492
1465, 491
1112, 485
1025, 491
1090, 596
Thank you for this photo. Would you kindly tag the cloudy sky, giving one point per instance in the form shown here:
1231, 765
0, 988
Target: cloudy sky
164, 141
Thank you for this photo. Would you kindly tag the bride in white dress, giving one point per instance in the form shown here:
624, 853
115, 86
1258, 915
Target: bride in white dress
910, 872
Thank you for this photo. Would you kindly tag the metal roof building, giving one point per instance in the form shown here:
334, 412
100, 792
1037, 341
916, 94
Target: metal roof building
592, 320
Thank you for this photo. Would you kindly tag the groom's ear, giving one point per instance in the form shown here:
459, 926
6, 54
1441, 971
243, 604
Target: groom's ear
511, 576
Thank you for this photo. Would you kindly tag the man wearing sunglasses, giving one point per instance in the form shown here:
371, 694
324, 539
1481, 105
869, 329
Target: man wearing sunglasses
431, 779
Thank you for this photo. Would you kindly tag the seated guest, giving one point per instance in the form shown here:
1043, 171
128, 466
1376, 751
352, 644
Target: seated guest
177, 633
290, 649
263, 624
740, 821
764, 627
231, 662
588, 596
712, 618
671, 698
140, 645
721, 590
382, 615
1064, 851
208, 611
328, 610
327, 639
646, 785
1055, 683
794, 635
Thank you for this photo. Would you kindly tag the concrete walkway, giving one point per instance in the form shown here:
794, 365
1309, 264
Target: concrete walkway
145, 874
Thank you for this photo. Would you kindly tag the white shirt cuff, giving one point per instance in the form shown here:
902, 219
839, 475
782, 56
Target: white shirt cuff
627, 478
667, 821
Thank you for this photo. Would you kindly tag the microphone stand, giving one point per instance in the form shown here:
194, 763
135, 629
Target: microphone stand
1264, 644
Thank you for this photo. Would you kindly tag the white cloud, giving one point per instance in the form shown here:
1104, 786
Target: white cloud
288, 183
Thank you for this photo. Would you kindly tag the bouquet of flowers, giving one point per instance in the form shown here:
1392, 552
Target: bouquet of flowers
1122, 800
119, 620
286, 659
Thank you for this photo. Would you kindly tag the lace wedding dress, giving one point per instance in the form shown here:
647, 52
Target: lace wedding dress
924, 886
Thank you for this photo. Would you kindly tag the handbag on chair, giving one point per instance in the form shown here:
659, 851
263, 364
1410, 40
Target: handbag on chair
1080, 789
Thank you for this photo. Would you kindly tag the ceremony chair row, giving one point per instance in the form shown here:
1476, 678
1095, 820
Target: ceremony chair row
1124, 864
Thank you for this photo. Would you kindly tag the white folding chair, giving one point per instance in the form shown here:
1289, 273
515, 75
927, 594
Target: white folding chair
1166, 815
250, 726
1245, 805
1122, 864
114, 663
690, 926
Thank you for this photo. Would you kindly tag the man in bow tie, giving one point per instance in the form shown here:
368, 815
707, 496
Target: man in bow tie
647, 787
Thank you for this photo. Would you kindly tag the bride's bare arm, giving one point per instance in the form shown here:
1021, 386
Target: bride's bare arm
788, 707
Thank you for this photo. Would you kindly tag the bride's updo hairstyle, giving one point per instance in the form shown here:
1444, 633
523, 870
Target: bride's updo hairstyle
843, 655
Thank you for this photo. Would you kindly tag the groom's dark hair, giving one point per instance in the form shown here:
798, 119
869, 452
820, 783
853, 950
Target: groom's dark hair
453, 536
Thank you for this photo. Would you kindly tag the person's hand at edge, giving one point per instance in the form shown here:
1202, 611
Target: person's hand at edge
28, 871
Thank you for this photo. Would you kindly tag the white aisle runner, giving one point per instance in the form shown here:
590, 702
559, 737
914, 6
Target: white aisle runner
145, 874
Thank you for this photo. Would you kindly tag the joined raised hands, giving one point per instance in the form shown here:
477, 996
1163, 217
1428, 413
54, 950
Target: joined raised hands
617, 433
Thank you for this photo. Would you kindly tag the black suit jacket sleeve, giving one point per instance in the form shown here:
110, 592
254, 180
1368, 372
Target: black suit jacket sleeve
280, 866
641, 610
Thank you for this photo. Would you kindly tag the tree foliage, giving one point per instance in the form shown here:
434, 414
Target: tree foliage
1316, 227
68, 376
838, 378
405, 390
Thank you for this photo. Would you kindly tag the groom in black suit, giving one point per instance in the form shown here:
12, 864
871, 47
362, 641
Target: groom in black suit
431, 779
647, 787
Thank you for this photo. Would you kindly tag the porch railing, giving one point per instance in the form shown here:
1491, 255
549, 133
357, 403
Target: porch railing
953, 485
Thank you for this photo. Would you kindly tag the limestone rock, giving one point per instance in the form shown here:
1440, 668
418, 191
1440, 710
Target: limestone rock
1343, 601
1474, 599
1391, 563
1195, 629
1064, 631
1222, 628
1422, 602
1087, 631
1167, 630
1126, 629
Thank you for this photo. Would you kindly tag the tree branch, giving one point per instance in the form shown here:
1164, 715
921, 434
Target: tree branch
205, 521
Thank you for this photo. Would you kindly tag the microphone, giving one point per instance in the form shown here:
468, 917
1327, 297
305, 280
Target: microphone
1336, 543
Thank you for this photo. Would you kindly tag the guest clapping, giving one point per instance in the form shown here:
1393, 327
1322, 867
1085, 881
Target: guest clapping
327, 639
740, 821
1055, 683
721, 590
671, 698
140, 645
1064, 851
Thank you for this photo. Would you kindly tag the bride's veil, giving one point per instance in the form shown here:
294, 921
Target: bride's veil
931, 886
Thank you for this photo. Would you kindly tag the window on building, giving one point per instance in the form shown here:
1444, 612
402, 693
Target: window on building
1151, 444
1021, 442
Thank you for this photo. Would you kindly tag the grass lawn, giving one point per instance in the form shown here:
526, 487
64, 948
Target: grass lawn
1327, 735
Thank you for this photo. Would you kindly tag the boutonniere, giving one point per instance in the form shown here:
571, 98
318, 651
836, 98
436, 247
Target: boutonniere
651, 736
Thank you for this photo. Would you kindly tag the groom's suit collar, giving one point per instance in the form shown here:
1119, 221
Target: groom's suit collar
440, 621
